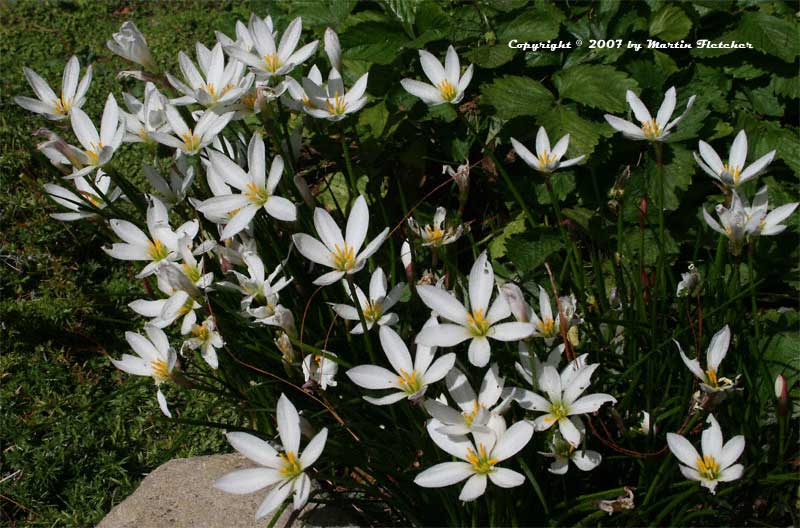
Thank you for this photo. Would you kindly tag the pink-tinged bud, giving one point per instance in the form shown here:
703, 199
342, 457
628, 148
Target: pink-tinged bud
515, 299
782, 394
408, 263
642, 212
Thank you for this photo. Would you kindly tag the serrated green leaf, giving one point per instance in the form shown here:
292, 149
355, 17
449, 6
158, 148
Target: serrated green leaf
373, 41
786, 87
670, 24
769, 135
563, 184
764, 102
533, 25
600, 87
497, 247
491, 56
374, 117
584, 134
768, 34
513, 96
529, 255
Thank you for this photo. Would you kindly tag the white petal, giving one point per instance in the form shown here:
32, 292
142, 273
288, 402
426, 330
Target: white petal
430, 95
550, 383
506, 478
314, 449
718, 348
452, 66
312, 249
738, 153
639, 109
395, 350
511, 331
587, 460
432, 67
481, 284
288, 424
248, 480
439, 369
513, 440
443, 474
667, 108
711, 438
568, 430
162, 403
626, 127
281, 208
731, 473
459, 388
479, 351
711, 158
590, 403
756, 167
388, 399
373, 377
240, 221
274, 498
682, 449
302, 488
254, 448
328, 231
443, 303
526, 155
357, 224
531, 401
474, 488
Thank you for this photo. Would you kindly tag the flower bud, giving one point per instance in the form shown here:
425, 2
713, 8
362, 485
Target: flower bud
515, 299
333, 49
130, 44
782, 394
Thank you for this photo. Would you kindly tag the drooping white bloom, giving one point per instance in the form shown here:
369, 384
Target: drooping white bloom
260, 291
478, 323
480, 462
98, 148
546, 160
691, 282
146, 117
717, 463
375, 307
563, 452
156, 359
191, 140
732, 222
81, 204
717, 350
657, 129
475, 413
207, 339
321, 369
284, 471
181, 177
257, 190
130, 44
331, 101
761, 221
47, 103
341, 253
563, 398
216, 85
543, 324
409, 380
161, 246
266, 58
447, 83
437, 234
733, 173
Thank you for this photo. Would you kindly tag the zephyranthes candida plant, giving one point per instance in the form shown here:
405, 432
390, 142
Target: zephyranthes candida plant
436, 372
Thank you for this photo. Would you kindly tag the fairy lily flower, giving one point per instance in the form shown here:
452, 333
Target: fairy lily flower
161, 246
47, 103
563, 398
284, 471
546, 160
260, 291
98, 148
191, 140
296, 97
475, 413
267, 59
243, 39
478, 323
657, 129
83, 200
321, 369
343, 254
146, 117
717, 463
563, 452
181, 302
330, 101
409, 379
732, 222
375, 307
156, 359
763, 223
216, 84
130, 44
733, 173
257, 191
207, 339
447, 83
181, 177
437, 234
710, 381
691, 283
479, 462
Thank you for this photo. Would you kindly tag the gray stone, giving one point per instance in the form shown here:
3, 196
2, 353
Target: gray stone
180, 494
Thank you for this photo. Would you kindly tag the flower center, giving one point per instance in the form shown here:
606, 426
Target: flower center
192, 272
447, 90
344, 258
157, 250
256, 195
558, 410
94, 152
160, 370
338, 105
708, 467
433, 235
732, 172
651, 129
469, 417
187, 307
191, 141
291, 465
546, 159
91, 198
477, 324
212, 91
711, 375
546, 327
200, 332
273, 62
410, 383
308, 103
63, 105
481, 463
372, 311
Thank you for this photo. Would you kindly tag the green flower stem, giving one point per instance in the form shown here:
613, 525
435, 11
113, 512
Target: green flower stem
753, 304
569, 246
661, 273
350, 175
361, 318
282, 118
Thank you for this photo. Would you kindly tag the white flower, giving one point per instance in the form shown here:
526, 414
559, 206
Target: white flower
717, 350
321, 368
546, 160
563, 398
330, 101
436, 235
215, 85
733, 173
475, 413
181, 177
333, 49
73, 94
337, 252
375, 307
257, 191
690, 283
480, 461
409, 380
657, 129
130, 44
145, 118
98, 148
284, 471
156, 359
478, 323
717, 463
243, 40
763, 223
447, 83
181, 302
260, 291
564, 452
161, 246
207, 339
87, 199
188, 140
268, 60
298, 99
732, 222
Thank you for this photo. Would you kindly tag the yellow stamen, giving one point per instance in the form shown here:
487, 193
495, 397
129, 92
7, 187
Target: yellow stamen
546, 327
477, 324
308, 103
651, 129
187, 307
735, 172
192, 272
212, 91
191, 140
410, 383
447, 90
291, 465
372, 311
256, 195
711, 375
63, 105
708, 467
94, 152
160, 370
201, 332
344, 258
273, 62
157, 250
557, 411
94, 200
338, 106
433, 235
469, 417
481, 462
546, 158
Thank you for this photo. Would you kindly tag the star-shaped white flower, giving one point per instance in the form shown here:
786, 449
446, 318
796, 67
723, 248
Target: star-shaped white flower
47, 103
321, 369
207, 339
657, 129
215, 85
260, 291
436, 235
87, 200
375, 307
563, 452
761, 221
710, 381
546, 160
191, 140
98, 148
331, 101
732, 222
146, 117
733, 173
447, 83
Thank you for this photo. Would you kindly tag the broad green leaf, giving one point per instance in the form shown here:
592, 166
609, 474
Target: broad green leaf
337, 190
769, 135
786, 87
491, 56
373, 41
764, 101
583, 135
670, 24
403, 11
530, 255
374, 117
563, 184
601, 87
767, 34
532, 25
331, 13
514, 96
497, 247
